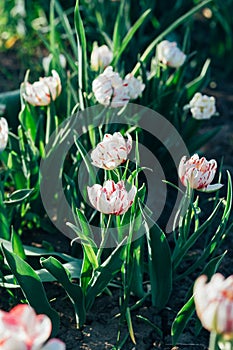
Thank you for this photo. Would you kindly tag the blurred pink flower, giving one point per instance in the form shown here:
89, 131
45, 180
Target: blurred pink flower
22, 329
101, 57
214, 304
199, 173
111, 198
112, 151
169, 54
202, 106
3, 133
40, 92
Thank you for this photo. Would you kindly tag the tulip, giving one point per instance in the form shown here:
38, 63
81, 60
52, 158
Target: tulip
199, 173
112, 151
47, 60
214, 304
22, 329
135, 86
169, 54
109, 89
101, 57
40, 92
202, 106
111, 198
3, 133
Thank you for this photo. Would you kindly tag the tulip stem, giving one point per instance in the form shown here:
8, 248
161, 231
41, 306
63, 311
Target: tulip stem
105, 236
48, 125
213, 342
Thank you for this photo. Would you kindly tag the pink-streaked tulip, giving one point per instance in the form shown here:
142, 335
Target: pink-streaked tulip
202, 106
135, 86
214, 304
199, 173
40, 92
169, 54
101, 57
22, 329
111, 198
109, 89
3, 133
112, 151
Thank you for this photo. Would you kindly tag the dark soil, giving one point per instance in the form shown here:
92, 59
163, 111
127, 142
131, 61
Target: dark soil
100, 330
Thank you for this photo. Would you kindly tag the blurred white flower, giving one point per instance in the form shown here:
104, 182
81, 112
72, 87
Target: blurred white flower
135, 86
109, 89
40, 92
169, 54
214, 304
47, 60
199, 173
111, 198
22, 329
3, 133
202, 106
101, 57
112, 151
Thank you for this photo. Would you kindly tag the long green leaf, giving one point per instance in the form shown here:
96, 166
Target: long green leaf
160, 267
105, 273
82, 54
129, 36
73, 291
31, 286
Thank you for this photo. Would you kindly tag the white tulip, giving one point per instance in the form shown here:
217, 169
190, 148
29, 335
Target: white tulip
112, 151
169, 54
40, 92
3, 133
199, 173
111, 198
202, 106
101, 57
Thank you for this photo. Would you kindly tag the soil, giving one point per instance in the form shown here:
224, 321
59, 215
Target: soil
100, 330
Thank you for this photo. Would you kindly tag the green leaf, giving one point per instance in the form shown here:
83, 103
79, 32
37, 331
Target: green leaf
74, 268
31, 286
73, 291
197, 84
87, 246
4, 224
119, 50
18, 196
17, 245
160, 267
105, 273
28, 119
181, 319
82, 54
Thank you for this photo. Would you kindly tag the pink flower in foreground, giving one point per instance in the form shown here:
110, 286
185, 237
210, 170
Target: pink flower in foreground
168, 53
199, 173
214, 304
111, 198
112, 151
22, 329
41, 92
